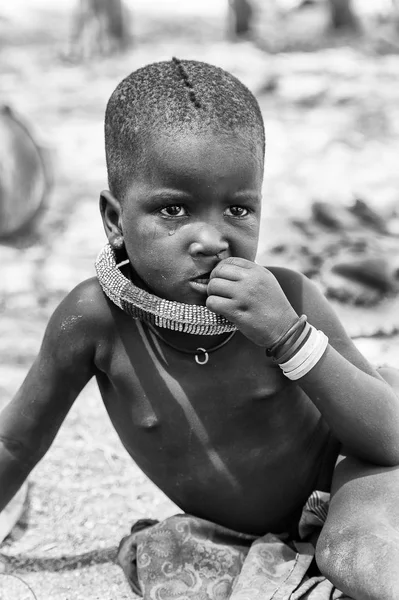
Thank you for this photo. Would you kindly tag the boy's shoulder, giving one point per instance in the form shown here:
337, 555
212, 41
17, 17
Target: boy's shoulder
292, 282
80, 322
285, 276
306, 297
87, 304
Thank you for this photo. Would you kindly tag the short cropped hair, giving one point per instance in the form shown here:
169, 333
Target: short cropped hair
176, 95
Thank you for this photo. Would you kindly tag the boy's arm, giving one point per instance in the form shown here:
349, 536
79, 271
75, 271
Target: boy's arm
65, 363
361, 409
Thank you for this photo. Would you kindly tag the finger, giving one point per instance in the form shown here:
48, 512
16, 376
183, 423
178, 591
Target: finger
221, 287
218, 305
226, 271
238, 262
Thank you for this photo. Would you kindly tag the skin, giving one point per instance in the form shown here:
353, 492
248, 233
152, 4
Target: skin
358, 549
233, 441
176, 223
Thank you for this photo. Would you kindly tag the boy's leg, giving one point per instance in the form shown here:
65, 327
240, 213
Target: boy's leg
358, 549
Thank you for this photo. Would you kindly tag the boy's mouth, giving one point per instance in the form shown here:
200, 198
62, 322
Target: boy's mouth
203, 278
200, 282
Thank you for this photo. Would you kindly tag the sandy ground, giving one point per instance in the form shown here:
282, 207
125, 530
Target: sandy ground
332, 129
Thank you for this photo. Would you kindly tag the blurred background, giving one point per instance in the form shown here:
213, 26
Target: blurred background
326, 74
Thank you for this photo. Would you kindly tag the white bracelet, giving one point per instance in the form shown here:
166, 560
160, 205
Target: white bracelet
307, 356
307, 348
311, 362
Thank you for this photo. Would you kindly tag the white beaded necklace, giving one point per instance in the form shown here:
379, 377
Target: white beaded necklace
139, 304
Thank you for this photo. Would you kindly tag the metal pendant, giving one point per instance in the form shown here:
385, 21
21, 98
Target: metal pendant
206, 356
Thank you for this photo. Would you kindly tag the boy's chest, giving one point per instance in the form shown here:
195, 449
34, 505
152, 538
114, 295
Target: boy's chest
168, 409
157, 387
233, 432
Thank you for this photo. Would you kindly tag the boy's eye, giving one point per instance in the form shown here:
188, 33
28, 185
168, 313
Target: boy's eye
174, 210
237, 211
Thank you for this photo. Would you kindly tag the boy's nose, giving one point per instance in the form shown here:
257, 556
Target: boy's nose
208, 242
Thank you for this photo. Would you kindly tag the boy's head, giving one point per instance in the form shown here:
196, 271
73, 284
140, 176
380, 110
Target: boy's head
185, 148
177, 96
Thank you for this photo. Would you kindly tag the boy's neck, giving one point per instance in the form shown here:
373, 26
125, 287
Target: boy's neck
188, 341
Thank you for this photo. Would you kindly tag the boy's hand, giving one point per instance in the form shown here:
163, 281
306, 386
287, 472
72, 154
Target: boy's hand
250, 296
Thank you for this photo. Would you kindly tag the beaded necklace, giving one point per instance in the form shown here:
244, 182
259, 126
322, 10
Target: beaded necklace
139, 304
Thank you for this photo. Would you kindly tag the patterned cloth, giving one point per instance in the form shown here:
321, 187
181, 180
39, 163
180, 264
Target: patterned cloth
187, 558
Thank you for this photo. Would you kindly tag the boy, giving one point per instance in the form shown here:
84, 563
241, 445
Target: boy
233, 404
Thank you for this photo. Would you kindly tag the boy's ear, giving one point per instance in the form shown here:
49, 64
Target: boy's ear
110, 209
